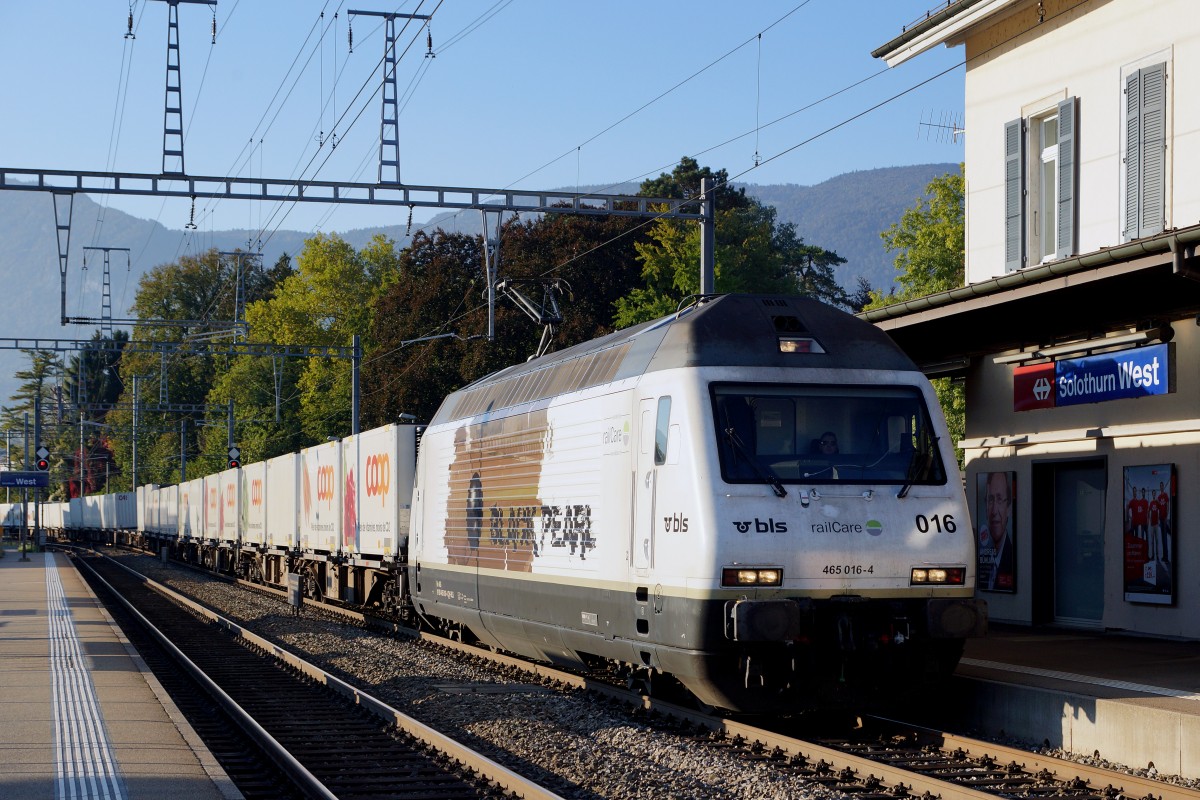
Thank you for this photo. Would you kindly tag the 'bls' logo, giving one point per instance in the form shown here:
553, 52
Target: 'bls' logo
325, 484
760, 526
378, 476
675, 524
256, 492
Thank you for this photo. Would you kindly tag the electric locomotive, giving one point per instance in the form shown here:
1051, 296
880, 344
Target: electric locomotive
664, 501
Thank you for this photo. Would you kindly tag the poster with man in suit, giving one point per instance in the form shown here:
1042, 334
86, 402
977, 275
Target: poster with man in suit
996, 503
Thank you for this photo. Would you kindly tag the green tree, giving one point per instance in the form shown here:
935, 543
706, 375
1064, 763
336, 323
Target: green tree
192, 300
288, 403
929, 242
442, 291
40, 390
753, 253
811, 266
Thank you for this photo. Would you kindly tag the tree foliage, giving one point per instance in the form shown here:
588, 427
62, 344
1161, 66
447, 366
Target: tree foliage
431, 327
929, 242
752, 253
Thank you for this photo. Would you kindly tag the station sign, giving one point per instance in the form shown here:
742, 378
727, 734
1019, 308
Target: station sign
1140, 372
12, 479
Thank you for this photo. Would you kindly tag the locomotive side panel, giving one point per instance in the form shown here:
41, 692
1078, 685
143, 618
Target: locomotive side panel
520, 507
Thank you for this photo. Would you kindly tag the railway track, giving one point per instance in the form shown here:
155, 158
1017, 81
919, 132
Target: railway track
309, 735
880, 759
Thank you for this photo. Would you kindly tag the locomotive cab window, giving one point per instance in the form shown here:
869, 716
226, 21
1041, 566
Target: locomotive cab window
825, 434
662, 430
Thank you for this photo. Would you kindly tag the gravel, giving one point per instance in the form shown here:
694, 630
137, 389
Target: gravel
594, 751
570, 741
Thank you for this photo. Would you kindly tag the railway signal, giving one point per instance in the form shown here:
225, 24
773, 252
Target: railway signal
43, 456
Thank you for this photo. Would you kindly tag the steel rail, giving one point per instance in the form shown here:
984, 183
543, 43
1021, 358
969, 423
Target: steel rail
277, 752
490, 770
1059, 768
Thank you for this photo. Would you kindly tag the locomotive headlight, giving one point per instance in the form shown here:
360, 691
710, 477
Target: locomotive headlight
951, 576
752, 576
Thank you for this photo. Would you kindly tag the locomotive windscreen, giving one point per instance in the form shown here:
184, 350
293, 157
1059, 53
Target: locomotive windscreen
825, 434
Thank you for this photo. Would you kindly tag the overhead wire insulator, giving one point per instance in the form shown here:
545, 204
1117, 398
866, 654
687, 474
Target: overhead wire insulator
409, 229
214, 27
350, 36
129, 24
429, 44
191, 223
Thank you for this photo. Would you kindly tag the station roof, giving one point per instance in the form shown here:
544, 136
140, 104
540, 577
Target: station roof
1138, 285
945, 23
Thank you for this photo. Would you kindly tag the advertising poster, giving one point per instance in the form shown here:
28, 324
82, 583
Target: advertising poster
995, 530
1149, 554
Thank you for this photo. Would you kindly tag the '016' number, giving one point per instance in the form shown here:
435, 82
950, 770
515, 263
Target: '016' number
943, 524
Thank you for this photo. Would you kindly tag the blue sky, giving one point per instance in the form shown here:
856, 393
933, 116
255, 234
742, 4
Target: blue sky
527, 93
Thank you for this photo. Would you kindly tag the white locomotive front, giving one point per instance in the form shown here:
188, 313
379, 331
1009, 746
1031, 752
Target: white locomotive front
756, 496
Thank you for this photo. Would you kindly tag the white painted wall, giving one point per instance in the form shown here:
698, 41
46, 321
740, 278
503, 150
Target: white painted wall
1017, 65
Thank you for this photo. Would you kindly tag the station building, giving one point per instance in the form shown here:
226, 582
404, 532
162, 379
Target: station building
1078, 331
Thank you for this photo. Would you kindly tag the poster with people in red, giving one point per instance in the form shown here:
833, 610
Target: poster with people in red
1149, 541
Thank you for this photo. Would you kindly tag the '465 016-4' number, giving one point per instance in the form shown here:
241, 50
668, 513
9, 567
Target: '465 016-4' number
943, 524
849, 569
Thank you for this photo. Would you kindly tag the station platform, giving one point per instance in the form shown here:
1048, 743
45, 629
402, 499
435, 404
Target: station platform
81, 715
1134, 700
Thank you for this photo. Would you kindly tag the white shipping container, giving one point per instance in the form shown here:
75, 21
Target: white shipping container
91, 512
253, 509
124, 510
212, 508
108, 512
52, 516
191, 509
143, 521
231, 501
321, 497
168, 511
378, 466
283, 487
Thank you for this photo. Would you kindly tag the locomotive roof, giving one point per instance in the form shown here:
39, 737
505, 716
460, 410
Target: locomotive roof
723, 330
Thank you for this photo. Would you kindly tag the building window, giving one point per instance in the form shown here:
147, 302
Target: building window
1044, 230
1040, 221
1145, 152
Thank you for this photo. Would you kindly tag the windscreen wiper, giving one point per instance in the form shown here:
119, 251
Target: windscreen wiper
772, 479
918, 469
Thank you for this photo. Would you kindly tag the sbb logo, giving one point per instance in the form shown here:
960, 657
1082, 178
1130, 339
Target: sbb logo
325, 485
256, 492
378, 476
